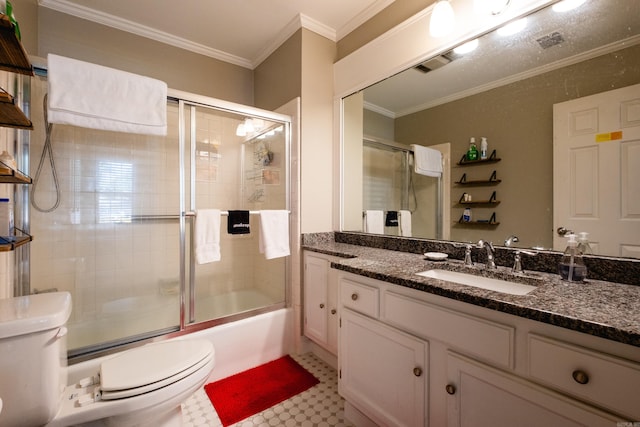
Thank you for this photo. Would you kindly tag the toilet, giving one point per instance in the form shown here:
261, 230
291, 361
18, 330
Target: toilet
144, 386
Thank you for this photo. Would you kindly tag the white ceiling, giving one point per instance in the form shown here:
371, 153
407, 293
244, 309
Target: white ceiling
242, 32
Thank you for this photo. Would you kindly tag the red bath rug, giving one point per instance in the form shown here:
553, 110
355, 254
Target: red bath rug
250, 392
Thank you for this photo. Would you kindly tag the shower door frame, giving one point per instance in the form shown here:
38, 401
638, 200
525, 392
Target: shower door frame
192, 101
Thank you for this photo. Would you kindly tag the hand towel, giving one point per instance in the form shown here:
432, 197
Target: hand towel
238, 222
207, 236
373, 222
97, 97
405, 223
391, 219
427, 161
274, 233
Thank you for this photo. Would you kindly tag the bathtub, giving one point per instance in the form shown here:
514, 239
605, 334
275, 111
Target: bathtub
134, 316
239, 345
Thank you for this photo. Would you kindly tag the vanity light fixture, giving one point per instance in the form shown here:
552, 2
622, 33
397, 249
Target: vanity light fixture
442, 19
240, 130
493, 7
467, 47
245, 128
513, 27
566, 5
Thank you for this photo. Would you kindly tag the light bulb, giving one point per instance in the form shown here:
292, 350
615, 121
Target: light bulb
566, 5
240, 130
248, 126
467, 47
442, 19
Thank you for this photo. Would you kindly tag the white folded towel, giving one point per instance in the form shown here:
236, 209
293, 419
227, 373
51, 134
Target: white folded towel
405, 223
274, 233
427, 161
97, 97
374, 222
207, 236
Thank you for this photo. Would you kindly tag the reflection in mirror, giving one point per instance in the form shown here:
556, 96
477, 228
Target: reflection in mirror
505, 90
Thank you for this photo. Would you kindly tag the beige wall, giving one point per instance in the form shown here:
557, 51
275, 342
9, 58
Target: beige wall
77, 38
378, 125
522, 134
394, 14
278, 78
317, 156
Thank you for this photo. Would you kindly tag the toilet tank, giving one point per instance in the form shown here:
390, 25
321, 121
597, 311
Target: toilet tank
33, 357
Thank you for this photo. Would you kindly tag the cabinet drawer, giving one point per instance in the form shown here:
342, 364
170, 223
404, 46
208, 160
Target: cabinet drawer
359, 297
487, 340
599, 378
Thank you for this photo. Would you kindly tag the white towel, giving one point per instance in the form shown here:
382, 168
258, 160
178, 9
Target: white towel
427, 161
405, 223
207, 236
274, 233
374, 222
97, 97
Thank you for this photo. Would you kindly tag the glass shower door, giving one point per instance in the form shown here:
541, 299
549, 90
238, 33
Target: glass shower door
234, 162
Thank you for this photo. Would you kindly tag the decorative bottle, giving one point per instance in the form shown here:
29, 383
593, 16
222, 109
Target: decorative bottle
472, 153
484, 147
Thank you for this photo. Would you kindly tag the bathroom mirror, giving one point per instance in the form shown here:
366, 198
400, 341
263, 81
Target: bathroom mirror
503, 90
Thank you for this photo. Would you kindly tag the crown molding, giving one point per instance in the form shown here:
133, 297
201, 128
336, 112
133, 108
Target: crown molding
362, 17
380, 110
142, 30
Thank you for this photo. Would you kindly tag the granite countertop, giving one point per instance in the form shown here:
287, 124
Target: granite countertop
604, 309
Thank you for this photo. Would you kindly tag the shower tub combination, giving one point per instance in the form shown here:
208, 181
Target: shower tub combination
120, 238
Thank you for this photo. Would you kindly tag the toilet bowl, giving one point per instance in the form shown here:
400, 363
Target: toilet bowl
143, 386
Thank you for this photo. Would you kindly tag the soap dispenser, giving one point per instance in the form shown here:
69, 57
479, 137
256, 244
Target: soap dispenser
583, 243
472, 153
572, 266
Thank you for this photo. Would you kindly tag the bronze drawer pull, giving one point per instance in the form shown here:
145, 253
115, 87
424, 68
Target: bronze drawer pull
451, 389
417, 371
354, 296
580, 377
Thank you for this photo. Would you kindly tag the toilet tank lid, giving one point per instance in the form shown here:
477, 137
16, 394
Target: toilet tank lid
33, 313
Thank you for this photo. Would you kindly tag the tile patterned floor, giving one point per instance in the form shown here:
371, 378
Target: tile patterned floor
319, 406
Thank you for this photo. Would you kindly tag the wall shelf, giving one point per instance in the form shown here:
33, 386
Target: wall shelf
7, 245
13, 57
491, 222
10, 115
491, 181
491, 159
492, 201
10, 176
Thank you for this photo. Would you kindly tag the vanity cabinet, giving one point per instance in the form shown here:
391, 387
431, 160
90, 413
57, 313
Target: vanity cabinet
480, 367
383, 371
320, 301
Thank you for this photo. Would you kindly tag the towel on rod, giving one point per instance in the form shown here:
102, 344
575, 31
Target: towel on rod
97, 97
391, 219
427, 161
373, 222
238, 222
405, 223
274, 233
207, 236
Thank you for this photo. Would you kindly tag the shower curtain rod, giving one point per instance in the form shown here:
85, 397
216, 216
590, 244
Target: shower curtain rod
163, 217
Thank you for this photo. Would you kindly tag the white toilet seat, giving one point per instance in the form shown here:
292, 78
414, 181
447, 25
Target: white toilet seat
153, 366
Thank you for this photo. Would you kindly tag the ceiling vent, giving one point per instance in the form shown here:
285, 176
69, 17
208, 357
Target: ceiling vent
550, 40
433, 64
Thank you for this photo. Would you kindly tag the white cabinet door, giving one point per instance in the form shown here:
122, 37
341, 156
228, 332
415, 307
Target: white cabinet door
315, 297
383, 371
321, 301
480, 396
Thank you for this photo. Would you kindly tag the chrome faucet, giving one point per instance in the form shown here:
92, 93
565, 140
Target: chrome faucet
511, 240
491, 264
517, 263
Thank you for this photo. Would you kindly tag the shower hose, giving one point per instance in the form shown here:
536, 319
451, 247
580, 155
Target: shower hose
46, 150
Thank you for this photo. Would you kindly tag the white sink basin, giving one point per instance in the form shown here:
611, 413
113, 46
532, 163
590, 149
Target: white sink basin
479, 281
